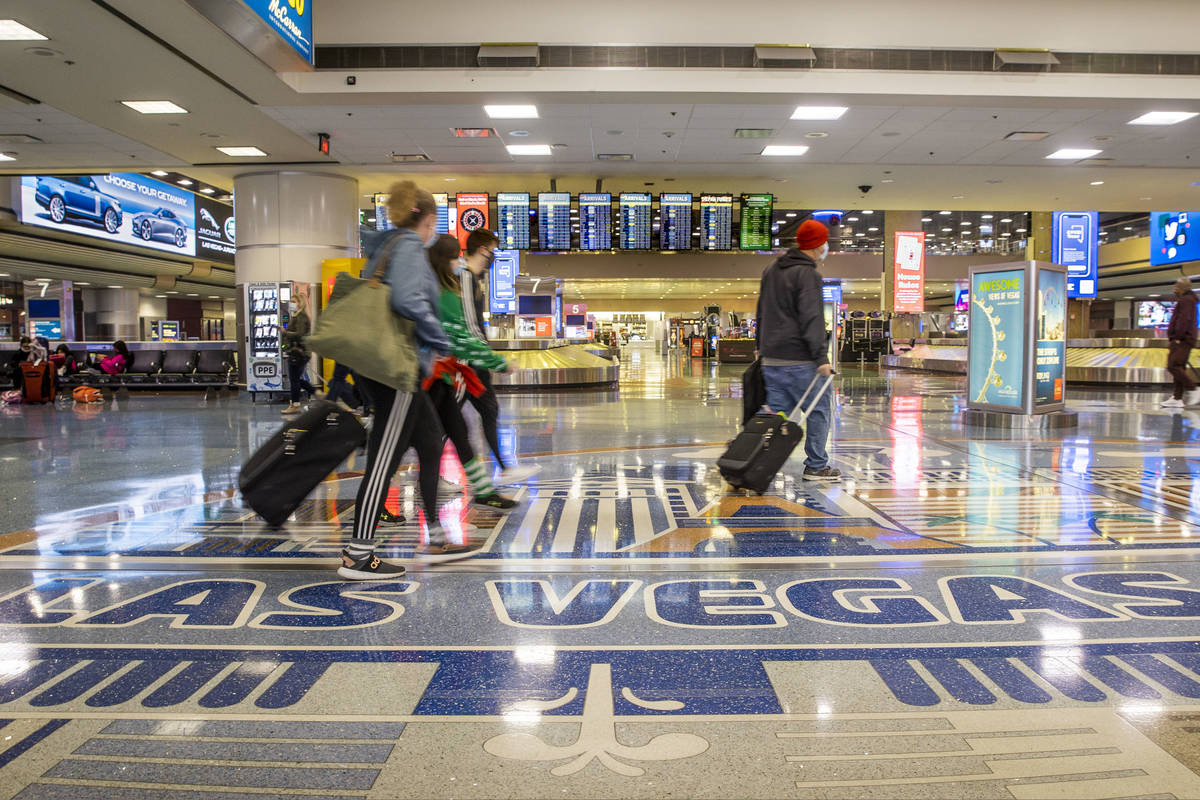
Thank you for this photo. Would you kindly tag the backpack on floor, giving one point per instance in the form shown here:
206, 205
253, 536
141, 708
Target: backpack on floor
37, 382
87, 394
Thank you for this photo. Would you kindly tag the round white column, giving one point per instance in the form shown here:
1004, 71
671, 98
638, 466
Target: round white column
289, 221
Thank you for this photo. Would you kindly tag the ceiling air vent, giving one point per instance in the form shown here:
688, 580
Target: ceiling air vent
400, 158
18, 138
1023, 58
615, 156
509, 55
1027, 136
754, 133
784, 55
1095, 162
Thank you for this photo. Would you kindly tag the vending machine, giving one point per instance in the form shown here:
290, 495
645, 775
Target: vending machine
263, 317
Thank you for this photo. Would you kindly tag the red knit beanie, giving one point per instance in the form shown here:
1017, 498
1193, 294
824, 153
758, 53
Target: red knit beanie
811, 235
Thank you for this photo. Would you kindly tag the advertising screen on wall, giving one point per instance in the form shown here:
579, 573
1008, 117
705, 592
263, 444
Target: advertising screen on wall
675, 224
909, 294
216, 231
716, 221
1051, 352
291, 20
512, 220
756, 222
502, 282
962, 298
1171, 237
1075, 244
635, 220
996, 349
119, 207
595, 221
472, 214
1154, 313
554, 220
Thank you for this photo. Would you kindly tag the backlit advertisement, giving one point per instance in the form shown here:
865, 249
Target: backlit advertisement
292, 20
996, 348
909, 295
1075, 244
119, 207
216, 232
472, 214
1171, 237
502, 282
1051, 351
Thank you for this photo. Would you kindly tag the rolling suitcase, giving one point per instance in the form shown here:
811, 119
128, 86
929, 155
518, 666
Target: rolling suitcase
284, 471
37, 382
754, 391
766, 442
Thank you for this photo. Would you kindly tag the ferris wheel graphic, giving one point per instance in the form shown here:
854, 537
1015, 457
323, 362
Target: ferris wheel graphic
999, 355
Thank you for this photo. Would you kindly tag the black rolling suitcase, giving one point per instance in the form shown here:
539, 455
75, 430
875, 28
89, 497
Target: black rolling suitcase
766, 442
284, 471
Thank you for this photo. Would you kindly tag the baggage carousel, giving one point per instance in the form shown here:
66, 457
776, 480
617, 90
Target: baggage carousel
539, 365
1095, 361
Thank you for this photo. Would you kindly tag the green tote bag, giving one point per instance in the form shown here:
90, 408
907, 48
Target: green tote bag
360, 330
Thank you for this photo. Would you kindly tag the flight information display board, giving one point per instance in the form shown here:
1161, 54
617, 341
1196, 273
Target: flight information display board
595, 221
716, 221
442, 201
756, 222
554, 220
635, 220
675, 215
512, 220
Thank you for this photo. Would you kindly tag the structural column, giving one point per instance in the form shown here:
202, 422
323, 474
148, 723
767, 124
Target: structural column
289, 221
894, 221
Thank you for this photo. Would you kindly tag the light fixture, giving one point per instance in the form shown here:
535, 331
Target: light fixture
784, 150
926, 219
184, 182
947, 230
944, 213
116, 286
866, 212
819, 112
1020, 230
986, 216
528, 149
1074, 153
160, 173
965, 222
242, 151
872, 230
1006, 219
1162, 117
511, 112
13, 31
82, 283
6, 157
790, 214
161, 296
154, 107
851, 219
1097, 183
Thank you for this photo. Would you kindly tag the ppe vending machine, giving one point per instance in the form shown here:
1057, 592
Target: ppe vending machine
263, 317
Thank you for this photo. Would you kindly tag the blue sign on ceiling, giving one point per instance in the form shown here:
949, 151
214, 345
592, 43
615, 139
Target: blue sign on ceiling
291, 19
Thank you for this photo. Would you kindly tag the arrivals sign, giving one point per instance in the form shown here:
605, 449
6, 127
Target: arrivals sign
1075, 243
909, 292
996, 349
291, 20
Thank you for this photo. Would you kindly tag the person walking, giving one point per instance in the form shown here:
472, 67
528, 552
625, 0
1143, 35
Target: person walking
481, 250
402, 417
1181, 335
298, 356
792, 342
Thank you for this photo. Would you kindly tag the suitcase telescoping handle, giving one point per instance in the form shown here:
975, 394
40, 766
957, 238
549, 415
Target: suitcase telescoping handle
824, 384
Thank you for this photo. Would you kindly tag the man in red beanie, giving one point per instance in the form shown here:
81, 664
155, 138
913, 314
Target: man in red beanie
792, 341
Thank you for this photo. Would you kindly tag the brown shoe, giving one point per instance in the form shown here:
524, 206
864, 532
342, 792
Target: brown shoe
439, 553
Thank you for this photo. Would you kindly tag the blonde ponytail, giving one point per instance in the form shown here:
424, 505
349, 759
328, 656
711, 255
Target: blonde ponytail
408, 204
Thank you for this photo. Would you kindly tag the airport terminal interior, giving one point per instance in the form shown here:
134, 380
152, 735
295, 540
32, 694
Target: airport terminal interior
993, 591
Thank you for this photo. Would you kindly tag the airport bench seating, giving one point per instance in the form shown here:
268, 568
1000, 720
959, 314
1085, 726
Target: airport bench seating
166, 367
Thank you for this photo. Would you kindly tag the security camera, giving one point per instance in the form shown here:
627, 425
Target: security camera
864, 188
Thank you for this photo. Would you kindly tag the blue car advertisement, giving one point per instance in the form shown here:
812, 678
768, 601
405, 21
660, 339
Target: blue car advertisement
997, 343
118, 207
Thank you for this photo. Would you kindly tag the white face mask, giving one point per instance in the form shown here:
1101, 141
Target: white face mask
824, 251
293, 306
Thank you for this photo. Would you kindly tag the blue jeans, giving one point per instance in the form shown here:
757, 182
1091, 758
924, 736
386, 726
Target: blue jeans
785, 387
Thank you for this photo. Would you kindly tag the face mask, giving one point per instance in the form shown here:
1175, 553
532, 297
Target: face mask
432, 238
824, 251
294, 307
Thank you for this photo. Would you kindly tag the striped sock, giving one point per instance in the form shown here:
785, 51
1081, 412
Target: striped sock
481, 484
359, 548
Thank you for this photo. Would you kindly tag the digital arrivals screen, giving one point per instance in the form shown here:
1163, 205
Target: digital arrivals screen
675, 221
756, 222
595, 221
442, 202
554, 220
635, 221
716, 221
512, 220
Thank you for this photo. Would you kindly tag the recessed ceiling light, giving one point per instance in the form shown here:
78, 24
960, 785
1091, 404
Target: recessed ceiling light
6, 157
1074, 153
1020, 230
161, 296
511, 112
214, 297
926, 219
184, 182
1006, 219
888, 180
851, 219
944, 213
528, 149
785, 150
819, 112
965, 222
13, 31
242, 151
116, 286
160, 173
947, 230
208, 190
1097, 183
986, 216
154, 107
872, 230
79, 283
1162, 117
1128, 228
866, 212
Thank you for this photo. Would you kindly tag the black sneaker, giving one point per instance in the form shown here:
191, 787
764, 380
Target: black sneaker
494, 501
388, 518
367, 568
827, 474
